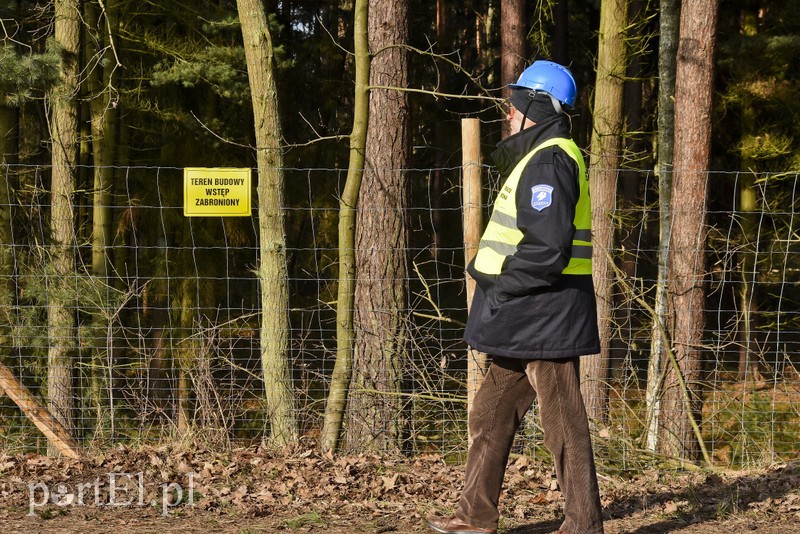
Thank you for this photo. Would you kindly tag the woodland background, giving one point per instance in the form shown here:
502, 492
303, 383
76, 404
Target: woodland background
332, 317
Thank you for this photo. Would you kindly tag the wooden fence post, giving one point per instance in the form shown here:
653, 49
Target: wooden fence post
473, 224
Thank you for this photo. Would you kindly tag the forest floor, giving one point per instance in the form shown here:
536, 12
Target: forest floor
180, 489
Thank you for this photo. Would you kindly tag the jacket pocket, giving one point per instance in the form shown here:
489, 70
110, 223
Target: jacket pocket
495, 300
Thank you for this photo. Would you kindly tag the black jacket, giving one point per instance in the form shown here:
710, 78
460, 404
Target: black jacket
530, 310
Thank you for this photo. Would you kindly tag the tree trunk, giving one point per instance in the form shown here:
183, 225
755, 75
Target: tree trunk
635, 150
485, 32
9, 134
9, 154
561, 32
9, 115
272, 272
103, 119
442, 132
9, 128
343, 368
669, 17
604, 164
376, 409
513, 31
61, 303
682, 396
187, 350
748, 204
103, 106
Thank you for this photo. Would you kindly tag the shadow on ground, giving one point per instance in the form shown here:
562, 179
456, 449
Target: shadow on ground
658, 510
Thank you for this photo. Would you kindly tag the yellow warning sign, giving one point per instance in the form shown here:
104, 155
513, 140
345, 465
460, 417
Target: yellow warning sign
216, 192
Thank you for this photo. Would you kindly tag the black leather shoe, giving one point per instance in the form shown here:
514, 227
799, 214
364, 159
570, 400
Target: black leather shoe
453, 525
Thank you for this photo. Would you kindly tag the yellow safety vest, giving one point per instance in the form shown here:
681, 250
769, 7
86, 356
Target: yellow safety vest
501, 237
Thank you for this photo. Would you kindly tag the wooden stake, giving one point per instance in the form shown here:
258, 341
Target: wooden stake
473, 225
54, 431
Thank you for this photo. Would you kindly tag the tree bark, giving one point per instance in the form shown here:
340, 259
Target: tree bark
9, 134
103, 106
669, 20
442, 131
61, 297
187, 351
603, 164
634, 149
9, 128
561, 32
513, 31
343, 368
748, 205
9, 114
103, 119
682, 396
9, 154
376, 408
272, 272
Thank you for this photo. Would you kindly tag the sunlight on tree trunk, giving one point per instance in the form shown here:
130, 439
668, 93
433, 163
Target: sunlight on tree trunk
376, 412
682, 396
272, 272
603, 165
669, 18
343, 368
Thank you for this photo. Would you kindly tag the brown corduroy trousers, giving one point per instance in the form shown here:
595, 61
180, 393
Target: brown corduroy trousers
505, 395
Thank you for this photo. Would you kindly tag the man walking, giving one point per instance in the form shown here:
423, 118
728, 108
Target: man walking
534, 310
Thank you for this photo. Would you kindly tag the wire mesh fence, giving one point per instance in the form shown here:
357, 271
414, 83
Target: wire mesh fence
158, 325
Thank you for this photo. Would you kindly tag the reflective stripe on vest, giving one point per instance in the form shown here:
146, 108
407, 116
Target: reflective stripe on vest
501, 237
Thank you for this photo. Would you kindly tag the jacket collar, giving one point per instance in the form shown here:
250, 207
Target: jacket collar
514, 147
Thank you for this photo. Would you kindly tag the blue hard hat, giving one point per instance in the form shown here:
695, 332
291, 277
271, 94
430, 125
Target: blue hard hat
550, 77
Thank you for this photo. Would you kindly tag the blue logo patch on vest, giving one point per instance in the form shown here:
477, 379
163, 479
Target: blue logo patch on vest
542, 196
